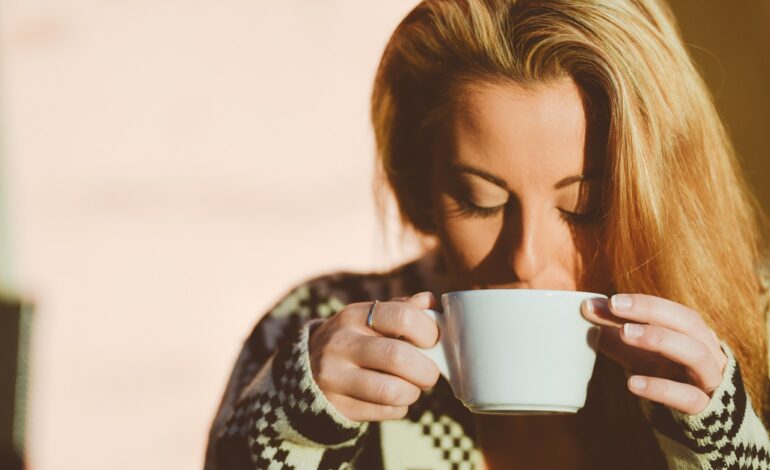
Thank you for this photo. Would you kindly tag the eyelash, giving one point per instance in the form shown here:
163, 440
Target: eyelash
578, 219
469, 209
472, 210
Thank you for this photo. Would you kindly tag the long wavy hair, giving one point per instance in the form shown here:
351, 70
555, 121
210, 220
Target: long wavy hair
680, 222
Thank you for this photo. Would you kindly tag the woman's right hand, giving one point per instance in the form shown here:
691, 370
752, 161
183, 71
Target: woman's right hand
375, 375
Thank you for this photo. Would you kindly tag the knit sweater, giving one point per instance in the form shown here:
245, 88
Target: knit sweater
274, 416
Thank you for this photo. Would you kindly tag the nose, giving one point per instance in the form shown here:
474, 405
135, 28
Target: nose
528, 246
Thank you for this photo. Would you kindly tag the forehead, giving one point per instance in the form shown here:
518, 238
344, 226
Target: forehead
537, 130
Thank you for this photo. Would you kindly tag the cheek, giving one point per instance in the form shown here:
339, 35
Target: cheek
562, 249
468, 240
591, 262
471, 240
573, 261
588, 263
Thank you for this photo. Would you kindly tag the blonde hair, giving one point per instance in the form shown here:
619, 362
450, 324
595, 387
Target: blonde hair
680, 222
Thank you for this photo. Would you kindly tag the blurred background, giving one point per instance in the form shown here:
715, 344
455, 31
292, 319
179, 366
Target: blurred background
170, 168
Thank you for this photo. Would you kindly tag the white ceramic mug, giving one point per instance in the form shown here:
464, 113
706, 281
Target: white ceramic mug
516, 351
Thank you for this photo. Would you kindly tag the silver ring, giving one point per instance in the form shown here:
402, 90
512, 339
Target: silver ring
370, 317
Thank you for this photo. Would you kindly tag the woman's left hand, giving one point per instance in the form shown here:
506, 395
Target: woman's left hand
675, 358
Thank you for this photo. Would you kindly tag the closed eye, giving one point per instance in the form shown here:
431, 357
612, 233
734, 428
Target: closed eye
468, 208
578, 218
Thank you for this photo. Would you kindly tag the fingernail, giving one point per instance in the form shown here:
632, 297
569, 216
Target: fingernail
588, 305
621, 301
632, 330
637, 383
421, 294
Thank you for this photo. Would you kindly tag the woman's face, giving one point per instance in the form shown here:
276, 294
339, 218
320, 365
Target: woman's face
515, 192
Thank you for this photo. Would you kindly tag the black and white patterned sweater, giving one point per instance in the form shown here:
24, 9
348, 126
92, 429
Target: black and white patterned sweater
274, 416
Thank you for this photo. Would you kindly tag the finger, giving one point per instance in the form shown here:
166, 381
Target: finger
641, 308
423, 300
395, 357
375, 387
636, 360
405, 320
682, 397
357, 410
597, 311
627, 356
703, 368
613, 347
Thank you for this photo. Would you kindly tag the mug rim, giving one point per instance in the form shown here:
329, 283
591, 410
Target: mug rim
539, 291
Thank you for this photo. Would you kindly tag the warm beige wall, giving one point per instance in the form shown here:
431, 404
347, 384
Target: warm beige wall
731, 43
173, 168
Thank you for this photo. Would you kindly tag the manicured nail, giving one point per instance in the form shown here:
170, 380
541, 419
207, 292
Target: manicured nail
632, 330
621, 301
637, 383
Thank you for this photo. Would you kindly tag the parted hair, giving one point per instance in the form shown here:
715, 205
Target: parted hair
678, 219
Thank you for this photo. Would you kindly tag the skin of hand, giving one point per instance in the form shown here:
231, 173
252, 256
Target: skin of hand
675, 358
373, 375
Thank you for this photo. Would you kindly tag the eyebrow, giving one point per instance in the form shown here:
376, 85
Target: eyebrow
564, 182
481, 174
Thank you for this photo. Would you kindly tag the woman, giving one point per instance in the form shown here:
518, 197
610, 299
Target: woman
539, 144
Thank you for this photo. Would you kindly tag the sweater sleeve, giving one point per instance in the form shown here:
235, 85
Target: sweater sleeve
726, 434
273, 414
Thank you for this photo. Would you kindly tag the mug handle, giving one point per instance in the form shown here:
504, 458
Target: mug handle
437, 354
